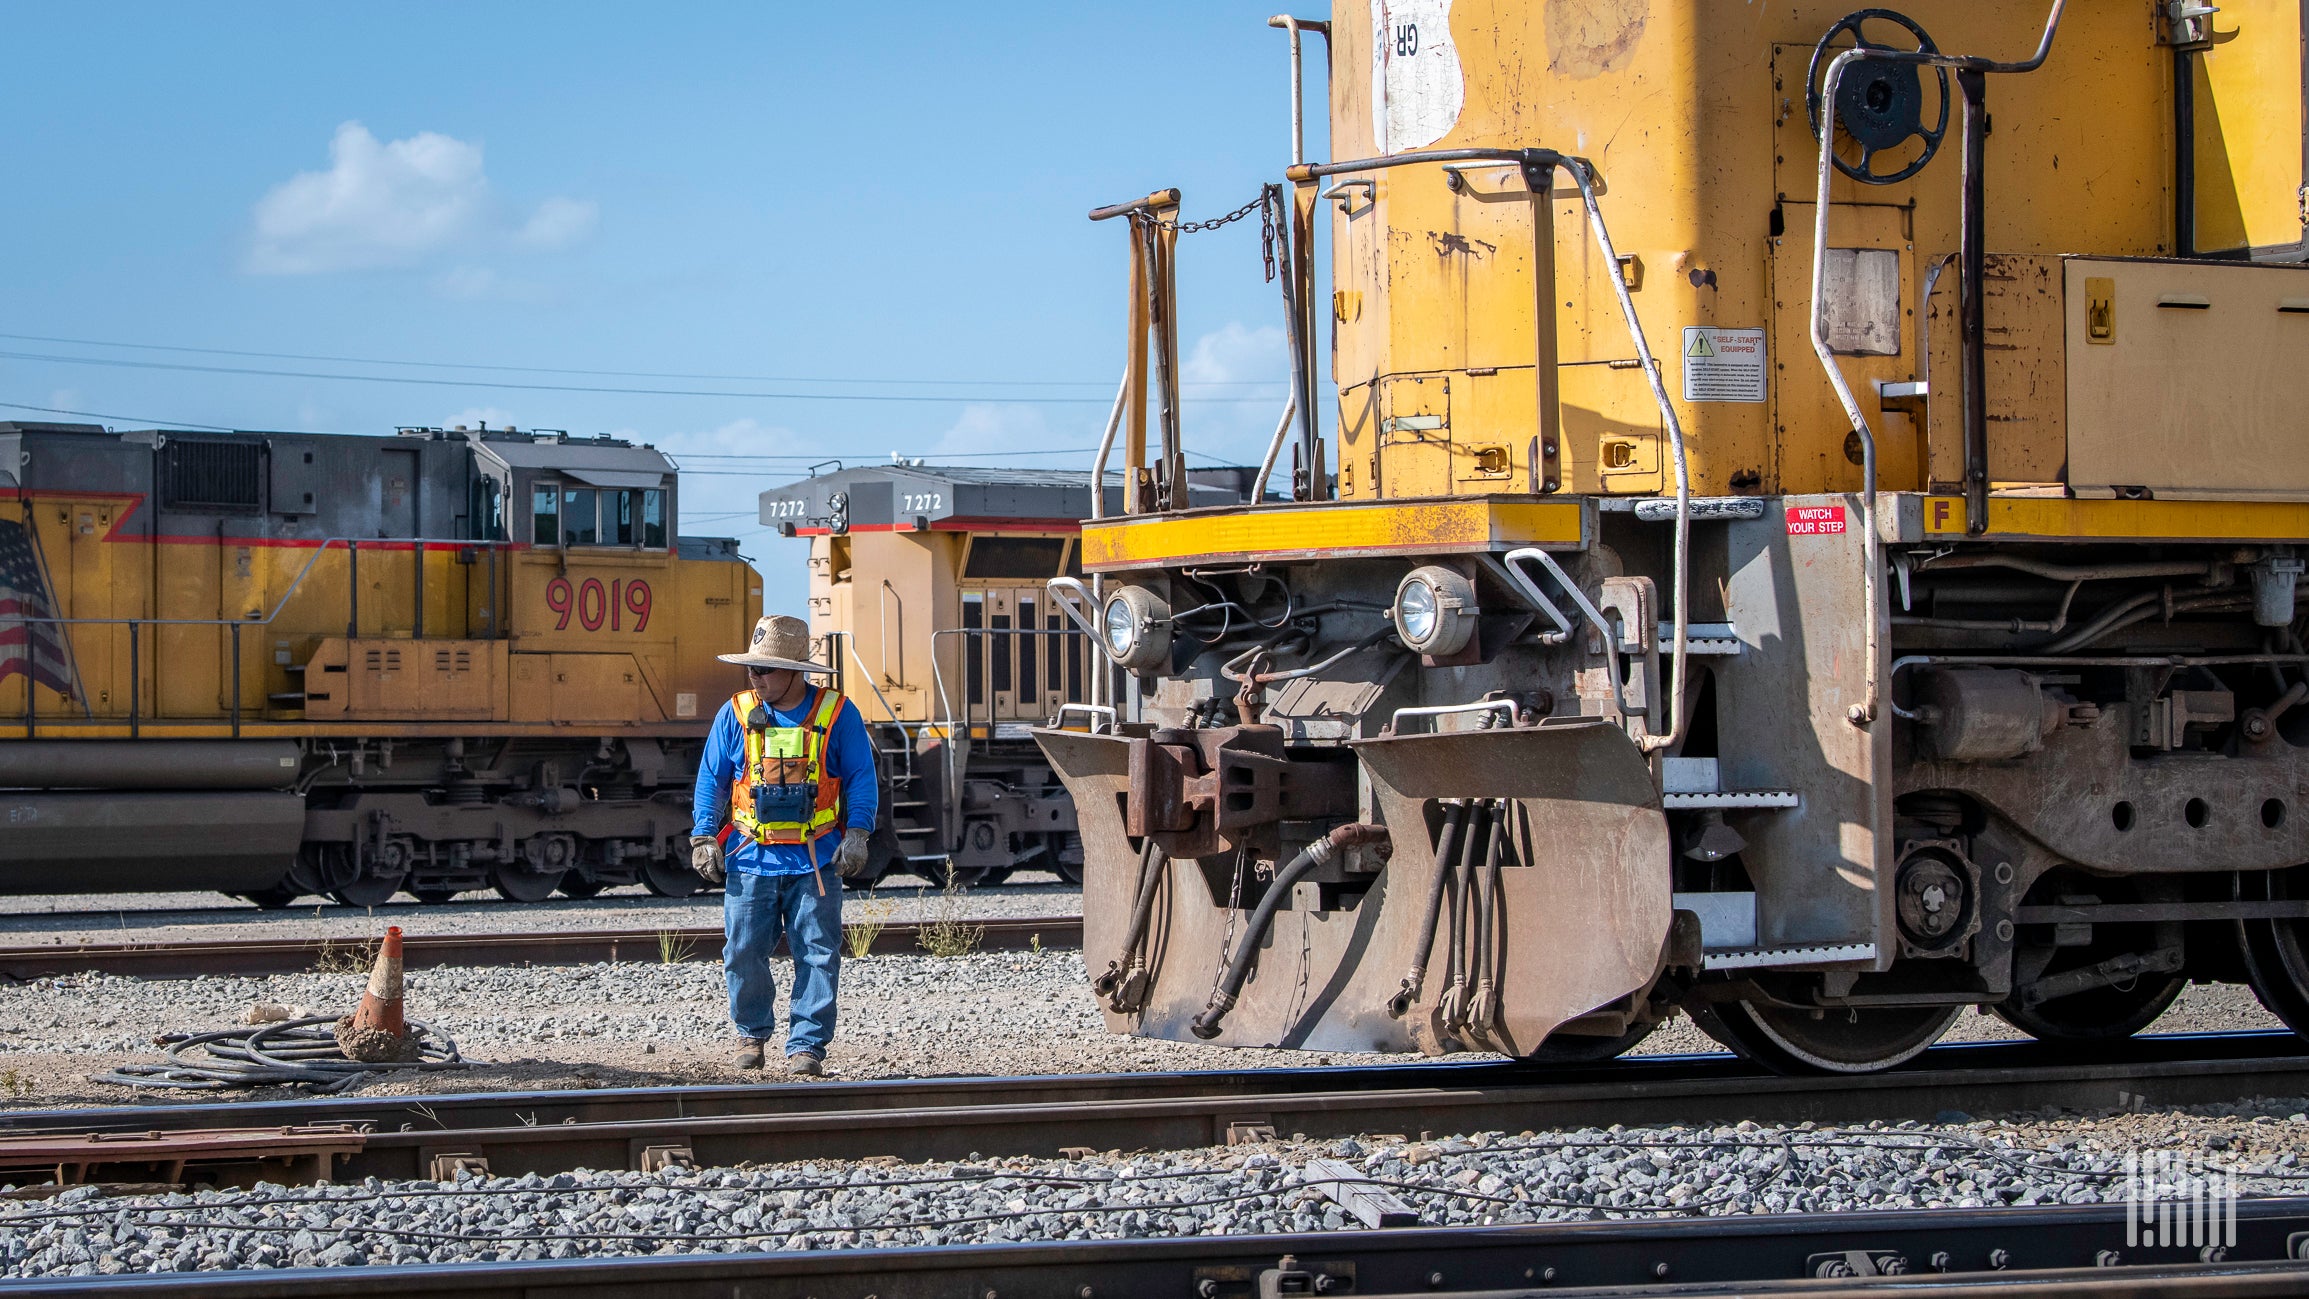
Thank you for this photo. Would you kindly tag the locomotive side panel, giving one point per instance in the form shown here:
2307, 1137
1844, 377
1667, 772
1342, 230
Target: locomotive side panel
488, 651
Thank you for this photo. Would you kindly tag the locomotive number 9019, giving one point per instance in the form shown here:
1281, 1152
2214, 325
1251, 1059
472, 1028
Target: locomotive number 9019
623, 605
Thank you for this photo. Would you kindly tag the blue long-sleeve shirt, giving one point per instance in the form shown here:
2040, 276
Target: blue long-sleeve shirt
849, 757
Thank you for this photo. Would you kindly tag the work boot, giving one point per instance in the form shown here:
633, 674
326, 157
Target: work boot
806, 1064
750, 1053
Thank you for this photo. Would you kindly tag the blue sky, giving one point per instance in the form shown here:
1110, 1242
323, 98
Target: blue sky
833, 198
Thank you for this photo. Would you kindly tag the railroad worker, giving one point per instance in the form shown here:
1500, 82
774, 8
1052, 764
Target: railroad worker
785, 801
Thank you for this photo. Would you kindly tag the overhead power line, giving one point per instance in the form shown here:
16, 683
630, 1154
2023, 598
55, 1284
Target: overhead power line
123, 419
618, 374
124, 364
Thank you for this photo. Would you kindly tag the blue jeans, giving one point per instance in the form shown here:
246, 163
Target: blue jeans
756, 910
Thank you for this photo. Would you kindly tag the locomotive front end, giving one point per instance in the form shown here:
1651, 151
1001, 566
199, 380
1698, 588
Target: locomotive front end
1738, 576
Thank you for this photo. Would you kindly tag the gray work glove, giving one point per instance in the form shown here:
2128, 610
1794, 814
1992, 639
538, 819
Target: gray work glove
850, 859
705, 857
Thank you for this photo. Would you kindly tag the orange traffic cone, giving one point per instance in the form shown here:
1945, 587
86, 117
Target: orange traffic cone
377, 1033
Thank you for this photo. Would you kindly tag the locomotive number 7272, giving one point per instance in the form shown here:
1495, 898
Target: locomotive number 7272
618, 603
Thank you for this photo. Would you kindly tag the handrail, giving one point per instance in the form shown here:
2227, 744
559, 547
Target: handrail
1298, 78
888, 594
1506, 706
1872, 545
1583, 173
850, 643
946, 701
1274, 449
1538, 598
296, 584
1059, 721
1587, 607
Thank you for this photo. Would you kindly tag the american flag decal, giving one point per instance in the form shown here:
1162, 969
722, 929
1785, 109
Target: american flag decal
34, 649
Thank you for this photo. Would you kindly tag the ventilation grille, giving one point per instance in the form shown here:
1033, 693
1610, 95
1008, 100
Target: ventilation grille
216, 476
446, 660
388, 660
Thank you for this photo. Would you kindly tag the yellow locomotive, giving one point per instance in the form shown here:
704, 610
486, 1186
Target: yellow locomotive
1822, 589
926, 596
279, 664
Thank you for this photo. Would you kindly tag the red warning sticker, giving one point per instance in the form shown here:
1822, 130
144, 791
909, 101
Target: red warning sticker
1815, 520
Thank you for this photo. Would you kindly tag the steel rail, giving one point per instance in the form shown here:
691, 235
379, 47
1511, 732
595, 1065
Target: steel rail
2005, 1253
192, 960
932, 1119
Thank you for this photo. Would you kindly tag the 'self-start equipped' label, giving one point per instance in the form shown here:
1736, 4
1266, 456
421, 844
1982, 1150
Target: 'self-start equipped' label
1815, 520
1723, 364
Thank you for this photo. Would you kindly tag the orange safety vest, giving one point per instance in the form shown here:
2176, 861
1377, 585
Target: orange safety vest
784, 794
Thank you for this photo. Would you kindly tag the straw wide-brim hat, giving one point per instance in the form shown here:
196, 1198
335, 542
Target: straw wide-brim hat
779, 642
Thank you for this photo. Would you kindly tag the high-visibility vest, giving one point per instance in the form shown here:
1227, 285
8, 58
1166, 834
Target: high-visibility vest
784, 793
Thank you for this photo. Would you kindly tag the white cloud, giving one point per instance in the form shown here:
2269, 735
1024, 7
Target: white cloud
377, 205
478, 416
995, 426
1237, 353
396, 204
558, 223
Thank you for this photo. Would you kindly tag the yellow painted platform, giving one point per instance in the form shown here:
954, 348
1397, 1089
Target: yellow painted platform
1330, 530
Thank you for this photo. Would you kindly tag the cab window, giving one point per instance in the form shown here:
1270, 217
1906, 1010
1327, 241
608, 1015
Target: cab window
579, 524
633, 517
545, 516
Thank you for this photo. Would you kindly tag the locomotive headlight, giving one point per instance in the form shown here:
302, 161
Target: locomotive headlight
1435, 611
1137, 629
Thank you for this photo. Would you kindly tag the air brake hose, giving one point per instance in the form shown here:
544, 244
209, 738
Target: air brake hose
1350, 835
1129, 961
1483, 1002
1452, 1005
1414, 981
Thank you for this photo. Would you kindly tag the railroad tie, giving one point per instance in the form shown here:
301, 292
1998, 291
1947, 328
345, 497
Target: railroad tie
1345, 1185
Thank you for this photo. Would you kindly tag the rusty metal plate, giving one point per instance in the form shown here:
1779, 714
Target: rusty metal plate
1587, 916
1583, 922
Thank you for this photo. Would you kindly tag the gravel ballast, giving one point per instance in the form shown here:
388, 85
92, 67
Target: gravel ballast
1481, 1178
635, 1024
36, 921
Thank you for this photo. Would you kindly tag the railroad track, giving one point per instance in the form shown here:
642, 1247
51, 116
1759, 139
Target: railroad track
1945, 1253
509, 1134
574, 947
2074, 1250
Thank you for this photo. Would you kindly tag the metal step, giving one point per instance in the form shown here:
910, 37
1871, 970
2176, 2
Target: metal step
1732, 798
1715, 638
1696, 784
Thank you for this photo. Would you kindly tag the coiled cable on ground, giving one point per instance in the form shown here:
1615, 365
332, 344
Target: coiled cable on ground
298, 1052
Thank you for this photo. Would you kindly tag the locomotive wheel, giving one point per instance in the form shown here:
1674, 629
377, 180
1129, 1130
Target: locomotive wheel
961, 879
278, 898
2097, 1014
1839, 1041
670, 878
1576, 1048
2100, 1014
515, 884
367, 891
1071, 872
2277, 951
